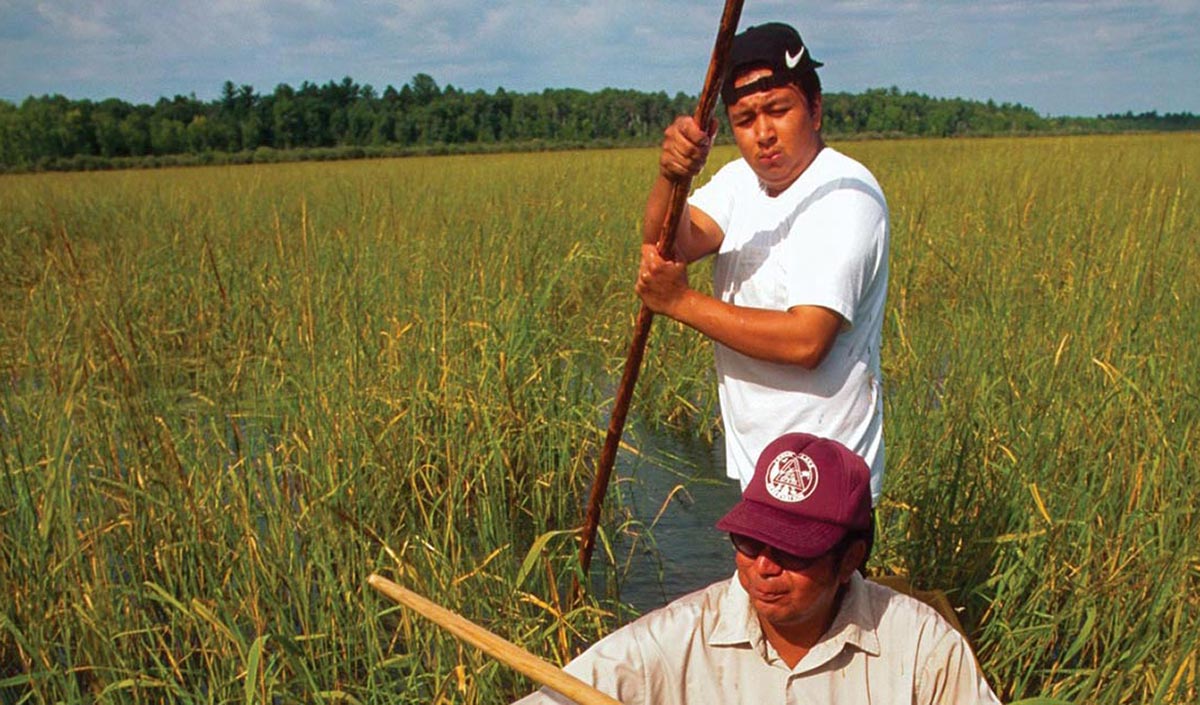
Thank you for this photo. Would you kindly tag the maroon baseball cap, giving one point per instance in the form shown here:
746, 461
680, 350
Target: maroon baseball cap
807, 493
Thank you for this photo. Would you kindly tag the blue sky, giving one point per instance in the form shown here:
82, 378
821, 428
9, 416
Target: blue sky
1060, 57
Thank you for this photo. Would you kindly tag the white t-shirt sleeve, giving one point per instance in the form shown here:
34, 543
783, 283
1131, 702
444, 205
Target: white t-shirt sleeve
835, 249
716, 197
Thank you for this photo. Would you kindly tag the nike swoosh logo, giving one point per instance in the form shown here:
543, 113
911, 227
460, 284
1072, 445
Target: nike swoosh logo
793, 60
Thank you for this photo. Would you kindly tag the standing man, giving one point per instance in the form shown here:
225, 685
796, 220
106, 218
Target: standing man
796, 623
800, 234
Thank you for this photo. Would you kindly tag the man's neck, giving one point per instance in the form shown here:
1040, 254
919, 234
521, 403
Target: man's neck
793, 641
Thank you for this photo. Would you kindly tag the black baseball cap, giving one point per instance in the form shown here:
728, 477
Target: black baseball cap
774, 45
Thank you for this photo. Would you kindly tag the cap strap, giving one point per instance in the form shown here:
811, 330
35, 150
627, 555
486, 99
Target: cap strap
732, 95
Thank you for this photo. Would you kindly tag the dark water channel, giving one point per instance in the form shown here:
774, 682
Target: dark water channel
675, 487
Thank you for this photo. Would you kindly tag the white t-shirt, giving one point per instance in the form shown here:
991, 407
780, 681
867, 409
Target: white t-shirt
822, 242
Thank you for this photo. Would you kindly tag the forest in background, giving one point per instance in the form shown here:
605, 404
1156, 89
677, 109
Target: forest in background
343, 119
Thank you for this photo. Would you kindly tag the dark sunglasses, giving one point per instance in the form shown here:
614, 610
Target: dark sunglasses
751, 548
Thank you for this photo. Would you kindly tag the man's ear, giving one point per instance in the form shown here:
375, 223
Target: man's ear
852, 560
816, 110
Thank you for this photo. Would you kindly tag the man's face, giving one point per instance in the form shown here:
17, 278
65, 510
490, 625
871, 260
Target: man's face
777, 131
794, 600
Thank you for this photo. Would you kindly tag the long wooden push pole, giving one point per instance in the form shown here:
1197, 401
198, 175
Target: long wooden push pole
498, 648
666, 242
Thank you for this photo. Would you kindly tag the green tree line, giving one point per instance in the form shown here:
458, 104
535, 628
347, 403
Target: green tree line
340, 119
44, 131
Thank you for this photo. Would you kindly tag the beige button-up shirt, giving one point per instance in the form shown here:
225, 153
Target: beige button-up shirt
707, 647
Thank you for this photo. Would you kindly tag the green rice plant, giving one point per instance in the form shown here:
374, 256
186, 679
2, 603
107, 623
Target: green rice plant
1042, 405
228, 394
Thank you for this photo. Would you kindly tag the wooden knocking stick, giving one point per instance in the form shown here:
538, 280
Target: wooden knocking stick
498, 648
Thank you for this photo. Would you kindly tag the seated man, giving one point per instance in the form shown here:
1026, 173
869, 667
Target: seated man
799, 624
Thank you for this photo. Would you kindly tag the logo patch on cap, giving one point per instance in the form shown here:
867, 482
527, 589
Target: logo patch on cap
791, 477
793, 60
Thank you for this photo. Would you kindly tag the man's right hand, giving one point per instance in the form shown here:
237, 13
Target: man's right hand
685, 148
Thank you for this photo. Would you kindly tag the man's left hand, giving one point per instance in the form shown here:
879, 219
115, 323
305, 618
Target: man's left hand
662, 283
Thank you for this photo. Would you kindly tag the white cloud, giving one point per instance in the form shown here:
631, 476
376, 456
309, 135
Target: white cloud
78, 21
1037, 53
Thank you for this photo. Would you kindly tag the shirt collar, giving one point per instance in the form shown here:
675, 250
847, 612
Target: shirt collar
854, 625
736, 622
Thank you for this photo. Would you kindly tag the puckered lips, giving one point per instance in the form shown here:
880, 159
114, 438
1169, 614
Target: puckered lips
769, 158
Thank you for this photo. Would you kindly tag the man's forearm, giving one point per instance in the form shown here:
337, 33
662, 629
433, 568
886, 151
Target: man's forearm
801, 336
656, 212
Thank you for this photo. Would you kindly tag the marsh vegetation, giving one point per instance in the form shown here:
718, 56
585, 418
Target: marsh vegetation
228, 394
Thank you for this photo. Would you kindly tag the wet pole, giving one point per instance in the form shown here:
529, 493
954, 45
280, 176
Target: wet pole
666, 243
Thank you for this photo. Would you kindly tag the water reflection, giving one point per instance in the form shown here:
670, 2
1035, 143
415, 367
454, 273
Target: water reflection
677, 488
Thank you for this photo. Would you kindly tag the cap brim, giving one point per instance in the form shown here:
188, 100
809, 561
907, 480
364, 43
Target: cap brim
787, 532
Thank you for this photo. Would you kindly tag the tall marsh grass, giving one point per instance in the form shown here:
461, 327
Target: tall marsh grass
228, 394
